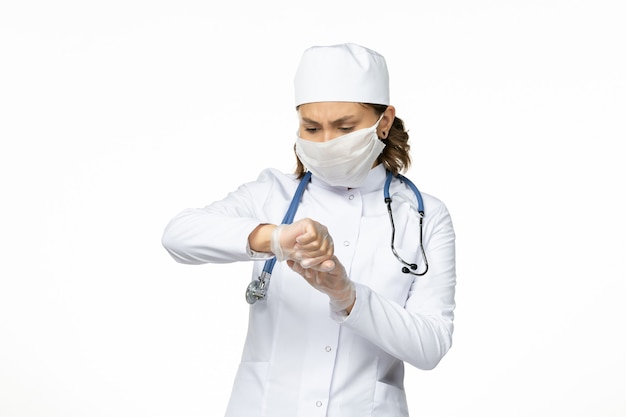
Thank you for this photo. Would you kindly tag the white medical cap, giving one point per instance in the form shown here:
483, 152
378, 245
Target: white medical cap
345, 72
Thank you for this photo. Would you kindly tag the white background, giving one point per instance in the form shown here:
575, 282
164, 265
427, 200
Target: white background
115, 116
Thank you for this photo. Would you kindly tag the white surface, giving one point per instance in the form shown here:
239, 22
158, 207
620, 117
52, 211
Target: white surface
115, 116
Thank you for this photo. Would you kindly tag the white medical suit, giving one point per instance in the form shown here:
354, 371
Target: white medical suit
298, 360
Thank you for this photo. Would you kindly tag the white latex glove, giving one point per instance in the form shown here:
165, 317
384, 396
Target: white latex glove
333, 282
305, 241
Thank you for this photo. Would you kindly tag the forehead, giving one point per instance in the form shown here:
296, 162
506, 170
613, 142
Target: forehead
333, 110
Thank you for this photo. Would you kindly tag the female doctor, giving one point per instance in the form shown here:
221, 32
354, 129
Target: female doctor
345, 308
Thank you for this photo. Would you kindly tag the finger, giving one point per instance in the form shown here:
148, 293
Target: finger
300, 269
313, 231
326, 266
307, 274
309, 260
316, 248
320, 244
295, 266
307, 238
312, 258
331, 265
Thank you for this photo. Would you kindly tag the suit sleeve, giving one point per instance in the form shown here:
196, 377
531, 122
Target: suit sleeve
218, 233
420, 332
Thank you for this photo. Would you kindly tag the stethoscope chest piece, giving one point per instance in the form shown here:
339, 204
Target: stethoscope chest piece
257, 290
252, 293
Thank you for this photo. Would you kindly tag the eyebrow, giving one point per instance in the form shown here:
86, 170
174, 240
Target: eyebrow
339, 121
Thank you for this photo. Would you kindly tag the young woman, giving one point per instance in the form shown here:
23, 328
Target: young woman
345, 308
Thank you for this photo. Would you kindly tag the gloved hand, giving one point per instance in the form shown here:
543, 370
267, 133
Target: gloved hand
305, 241
333, 282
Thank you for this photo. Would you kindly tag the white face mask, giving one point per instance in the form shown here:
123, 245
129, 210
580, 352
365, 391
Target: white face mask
344, 161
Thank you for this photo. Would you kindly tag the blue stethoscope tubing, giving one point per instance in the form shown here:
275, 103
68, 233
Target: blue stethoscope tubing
257, 290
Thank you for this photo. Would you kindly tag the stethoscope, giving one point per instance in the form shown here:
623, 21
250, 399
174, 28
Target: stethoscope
257, 290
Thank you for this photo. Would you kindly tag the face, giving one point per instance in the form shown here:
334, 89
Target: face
321, 122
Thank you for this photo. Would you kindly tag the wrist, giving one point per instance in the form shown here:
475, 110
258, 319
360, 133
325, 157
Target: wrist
259, 239
275, 246
344, 302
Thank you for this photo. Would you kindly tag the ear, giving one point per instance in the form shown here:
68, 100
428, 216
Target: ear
386, 122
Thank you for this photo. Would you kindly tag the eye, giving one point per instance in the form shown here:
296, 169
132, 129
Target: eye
311, 129
346, 128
